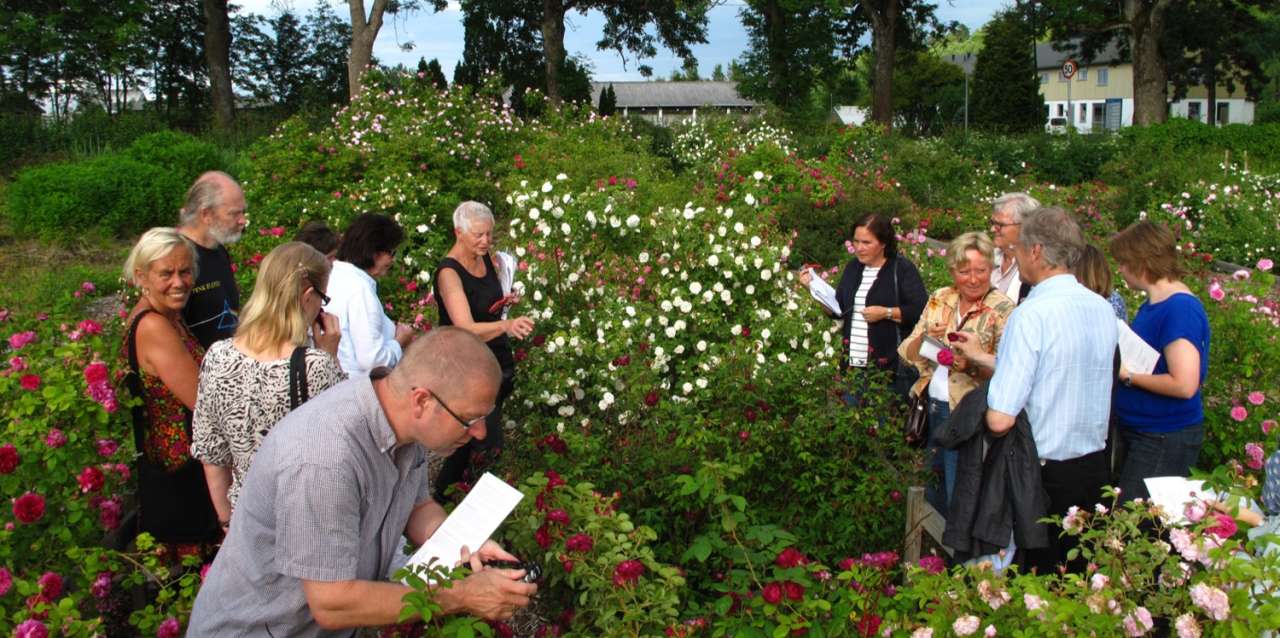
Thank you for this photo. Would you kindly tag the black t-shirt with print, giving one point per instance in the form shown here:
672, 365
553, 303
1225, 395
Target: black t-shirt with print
211, 312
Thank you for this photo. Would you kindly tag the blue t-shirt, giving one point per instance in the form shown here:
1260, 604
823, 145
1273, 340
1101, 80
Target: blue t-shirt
1181, 316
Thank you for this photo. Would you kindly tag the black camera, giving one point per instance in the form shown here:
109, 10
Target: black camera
532, 571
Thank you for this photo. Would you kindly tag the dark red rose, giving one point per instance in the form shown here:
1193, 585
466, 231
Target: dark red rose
90, 479
746, 332
543, 537
554, 480
772, 593
622, 361
953, 337
538, 340
794, 590
579, 543
846, 564
627, 572
50, 586
744, 436
750, 415
9, 458
791, 557
869, 625
28, 508
558, 516
567, 565
501, 629
95, 372
651, 398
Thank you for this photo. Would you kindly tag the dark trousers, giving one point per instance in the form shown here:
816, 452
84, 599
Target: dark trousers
1148, 454
467, 461
1077, 482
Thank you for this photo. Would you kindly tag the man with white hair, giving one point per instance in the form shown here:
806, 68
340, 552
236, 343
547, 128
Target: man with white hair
1006, 219
212, 217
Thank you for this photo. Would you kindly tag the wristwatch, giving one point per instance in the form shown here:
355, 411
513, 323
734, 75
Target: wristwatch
1127, 381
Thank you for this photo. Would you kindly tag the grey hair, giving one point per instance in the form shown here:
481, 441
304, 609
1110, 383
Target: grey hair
1057, 233
206, 192
155, 244
1017, 204
468, 212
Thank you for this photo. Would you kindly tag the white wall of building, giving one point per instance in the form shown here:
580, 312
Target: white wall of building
1239, 111
1086, 115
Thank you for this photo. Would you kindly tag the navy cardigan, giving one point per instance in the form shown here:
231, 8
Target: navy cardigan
883, 336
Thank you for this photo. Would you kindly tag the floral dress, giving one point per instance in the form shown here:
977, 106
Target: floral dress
166, 442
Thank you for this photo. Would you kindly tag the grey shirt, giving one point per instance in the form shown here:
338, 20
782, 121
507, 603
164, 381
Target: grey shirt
326, 498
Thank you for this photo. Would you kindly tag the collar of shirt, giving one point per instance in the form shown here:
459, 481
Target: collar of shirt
353, 270
1052, 285
380, 429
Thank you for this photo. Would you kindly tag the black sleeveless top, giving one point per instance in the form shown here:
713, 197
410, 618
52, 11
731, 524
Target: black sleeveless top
482, 292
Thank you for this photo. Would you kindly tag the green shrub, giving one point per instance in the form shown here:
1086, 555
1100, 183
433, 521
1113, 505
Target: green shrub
183, 155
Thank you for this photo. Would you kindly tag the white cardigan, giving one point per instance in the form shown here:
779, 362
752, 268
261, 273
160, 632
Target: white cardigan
368, 335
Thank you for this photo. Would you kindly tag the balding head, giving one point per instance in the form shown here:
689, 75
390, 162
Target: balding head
450, 361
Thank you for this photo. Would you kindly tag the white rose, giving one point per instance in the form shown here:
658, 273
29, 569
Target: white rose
687, 387
565, 228
782, 356
735, 330
631, 311
561, 177
422, 228
758, 175
537, 295
633, 221
546, 187
739, 228
764, 334
671, 332
750, 199
700, 382
695, 288
750, 290
701, 346
725, 296
424, 275
666, 305
643, 257
534, 214
766, 274
755, 241
713, 261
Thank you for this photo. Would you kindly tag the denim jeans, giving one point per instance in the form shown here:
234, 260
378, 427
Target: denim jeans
1149, 454
944, 460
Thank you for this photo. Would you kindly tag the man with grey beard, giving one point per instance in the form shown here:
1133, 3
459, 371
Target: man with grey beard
212, 217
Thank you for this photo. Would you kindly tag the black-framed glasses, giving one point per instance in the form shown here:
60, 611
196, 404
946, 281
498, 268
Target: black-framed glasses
324, 299
466, 425
998, 225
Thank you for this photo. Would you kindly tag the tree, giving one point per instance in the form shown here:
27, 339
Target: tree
717, 73
327, 61
503, 38
217, 55
894, 25
608, 101
1005, 92
432, 72
1218, 39
364, 30
688, 71
678, 23
928, 92
1096, 23
178, 73
792, 47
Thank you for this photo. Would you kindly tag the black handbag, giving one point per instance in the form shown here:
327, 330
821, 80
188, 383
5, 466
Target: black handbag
916, 429
173, 506
298, 393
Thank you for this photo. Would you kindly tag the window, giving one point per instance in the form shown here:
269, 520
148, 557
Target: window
1084, 74
1044, 78
1193, 111
1102, 77
1224, 112
1062, 110
1082, 110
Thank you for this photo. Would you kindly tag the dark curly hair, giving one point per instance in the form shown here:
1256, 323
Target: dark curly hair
367, 236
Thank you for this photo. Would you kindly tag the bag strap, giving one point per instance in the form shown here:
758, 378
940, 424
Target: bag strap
134, 381
298, 378
897, 330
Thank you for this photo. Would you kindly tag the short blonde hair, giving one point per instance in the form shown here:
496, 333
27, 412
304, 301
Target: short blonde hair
156, 244
273, 314
956, 251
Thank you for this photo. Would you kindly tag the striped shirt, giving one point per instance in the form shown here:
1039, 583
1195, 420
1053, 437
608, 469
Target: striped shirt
327, 498
1055, 361
858, 326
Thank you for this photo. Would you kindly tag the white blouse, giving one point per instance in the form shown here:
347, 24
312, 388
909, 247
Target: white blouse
368, 335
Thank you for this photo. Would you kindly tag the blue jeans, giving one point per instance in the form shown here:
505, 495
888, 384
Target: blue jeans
1149, 454
944, 460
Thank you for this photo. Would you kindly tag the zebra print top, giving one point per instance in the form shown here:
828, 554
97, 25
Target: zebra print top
239, 399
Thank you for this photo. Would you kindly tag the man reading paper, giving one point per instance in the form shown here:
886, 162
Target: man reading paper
336, 485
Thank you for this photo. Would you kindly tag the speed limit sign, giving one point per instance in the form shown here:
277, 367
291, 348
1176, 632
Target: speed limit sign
1069, 68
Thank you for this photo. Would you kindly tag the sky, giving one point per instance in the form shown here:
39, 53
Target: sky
440, 35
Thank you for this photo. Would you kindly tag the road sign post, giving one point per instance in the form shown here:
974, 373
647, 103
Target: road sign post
1069, 69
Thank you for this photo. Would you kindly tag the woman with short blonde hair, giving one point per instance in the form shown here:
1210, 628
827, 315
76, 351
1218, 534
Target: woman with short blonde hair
245, 382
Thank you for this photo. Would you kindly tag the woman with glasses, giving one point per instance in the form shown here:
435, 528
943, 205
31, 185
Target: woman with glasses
369, 338
469, 294
245, 382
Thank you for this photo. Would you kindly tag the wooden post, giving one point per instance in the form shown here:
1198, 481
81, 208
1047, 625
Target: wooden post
921, 519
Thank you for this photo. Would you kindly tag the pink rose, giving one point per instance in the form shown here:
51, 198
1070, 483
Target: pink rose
933, 564
101, 587
1256, 398
31, 628
90, 479
1238, 413
1255, 457
17, 364
6, 581
170, 628
19, 340
107, 447
95, 373
55, 438
1225, 528
1268, 425
1216, 292
50, 586
30, 382
90, 327
1265, 264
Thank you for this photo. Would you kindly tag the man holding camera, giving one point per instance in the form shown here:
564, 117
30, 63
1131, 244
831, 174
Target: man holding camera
336, 485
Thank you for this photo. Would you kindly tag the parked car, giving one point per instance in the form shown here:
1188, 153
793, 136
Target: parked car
1056, 125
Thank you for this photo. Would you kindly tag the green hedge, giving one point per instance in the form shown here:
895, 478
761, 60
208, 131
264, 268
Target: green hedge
119, 194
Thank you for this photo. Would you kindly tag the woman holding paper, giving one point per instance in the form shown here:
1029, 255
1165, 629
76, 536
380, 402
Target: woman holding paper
880, 295
969, 314
1160, 411
470, 294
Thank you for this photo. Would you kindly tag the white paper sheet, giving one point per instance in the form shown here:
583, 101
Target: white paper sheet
823, 292
930, 347
1136, 355
1173, 493
471, 523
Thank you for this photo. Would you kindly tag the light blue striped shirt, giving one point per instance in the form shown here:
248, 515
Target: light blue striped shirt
1055, 360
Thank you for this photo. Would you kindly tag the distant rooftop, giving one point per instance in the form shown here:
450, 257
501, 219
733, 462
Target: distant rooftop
639, 95
1049, 58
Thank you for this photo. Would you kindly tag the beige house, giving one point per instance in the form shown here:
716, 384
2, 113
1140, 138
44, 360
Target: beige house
1100, 95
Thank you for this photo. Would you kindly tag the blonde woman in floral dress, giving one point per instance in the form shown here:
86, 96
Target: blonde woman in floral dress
970, 313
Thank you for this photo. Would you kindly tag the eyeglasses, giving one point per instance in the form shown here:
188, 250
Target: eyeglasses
466, 425
324, 299
999, 226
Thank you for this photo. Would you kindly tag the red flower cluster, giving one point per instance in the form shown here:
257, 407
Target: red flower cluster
558, 516
933, 564
91, 479
627, 572
554, 480
554, 443
774, 592
791, 557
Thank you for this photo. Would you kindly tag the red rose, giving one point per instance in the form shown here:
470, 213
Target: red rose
538, 340
28, 508
791, 557
107, 447
554, 480
651, 398
90, 479
622, 361
9, 458
30, 382
501, 629
772, 593
794, 590
945, 357
567, 565
933, 564
579, 543
627, 572
869, 625
50, 586
558, 516
543, 537
90, 327
1225, 528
